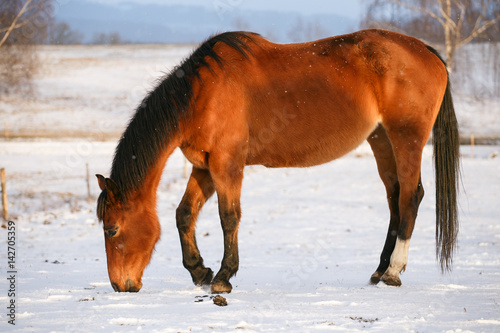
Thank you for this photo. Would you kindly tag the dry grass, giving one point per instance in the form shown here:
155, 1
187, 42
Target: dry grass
17, 68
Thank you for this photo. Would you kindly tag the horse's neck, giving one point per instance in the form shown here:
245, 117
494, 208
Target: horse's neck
146, 194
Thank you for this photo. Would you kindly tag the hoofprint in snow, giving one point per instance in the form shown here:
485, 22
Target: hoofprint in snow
309, 241
309, 238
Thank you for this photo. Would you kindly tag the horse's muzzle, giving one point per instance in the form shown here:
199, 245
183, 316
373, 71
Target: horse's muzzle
130, 287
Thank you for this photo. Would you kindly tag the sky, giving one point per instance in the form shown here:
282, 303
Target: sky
279, 20
350, 8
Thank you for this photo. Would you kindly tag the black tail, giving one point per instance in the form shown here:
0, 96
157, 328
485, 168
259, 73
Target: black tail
447, 167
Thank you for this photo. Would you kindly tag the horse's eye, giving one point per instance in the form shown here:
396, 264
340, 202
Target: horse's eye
111, 232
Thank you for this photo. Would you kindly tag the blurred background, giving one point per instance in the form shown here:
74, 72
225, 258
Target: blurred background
466, 32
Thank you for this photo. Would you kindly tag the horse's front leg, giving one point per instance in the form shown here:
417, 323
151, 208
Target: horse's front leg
230, 217
228, 179
199, 189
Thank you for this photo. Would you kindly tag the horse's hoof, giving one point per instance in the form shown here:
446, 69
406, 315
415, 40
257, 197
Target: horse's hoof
375, 279
391, 280
221, 287
204, 280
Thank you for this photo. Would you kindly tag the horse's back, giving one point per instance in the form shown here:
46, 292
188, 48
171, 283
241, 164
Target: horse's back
309, 103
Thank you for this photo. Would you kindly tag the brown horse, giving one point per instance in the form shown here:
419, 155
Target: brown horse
241, 100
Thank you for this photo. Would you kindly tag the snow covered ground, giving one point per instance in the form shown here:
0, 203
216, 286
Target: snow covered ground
309, 238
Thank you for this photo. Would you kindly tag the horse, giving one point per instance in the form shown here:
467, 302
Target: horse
240, 100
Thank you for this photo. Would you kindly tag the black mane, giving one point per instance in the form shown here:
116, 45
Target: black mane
157, 117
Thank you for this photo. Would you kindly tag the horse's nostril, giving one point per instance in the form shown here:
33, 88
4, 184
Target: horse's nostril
131, 287
115, 287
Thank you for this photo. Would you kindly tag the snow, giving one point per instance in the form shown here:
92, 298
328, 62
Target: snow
309, 238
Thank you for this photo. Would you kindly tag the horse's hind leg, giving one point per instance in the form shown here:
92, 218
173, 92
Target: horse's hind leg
199, 189
407, 142
386, 164
399, 169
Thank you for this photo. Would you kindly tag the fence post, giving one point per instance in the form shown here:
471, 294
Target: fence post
472, 145
5, 207
89, 195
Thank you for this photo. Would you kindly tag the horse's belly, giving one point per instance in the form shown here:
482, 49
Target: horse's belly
313, 147
287, 158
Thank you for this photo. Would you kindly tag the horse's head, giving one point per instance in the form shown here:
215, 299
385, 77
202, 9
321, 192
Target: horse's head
131, 230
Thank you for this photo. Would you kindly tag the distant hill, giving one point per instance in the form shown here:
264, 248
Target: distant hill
155, 23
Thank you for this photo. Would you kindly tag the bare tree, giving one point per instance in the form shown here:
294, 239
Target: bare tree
23, 23
455, 23
111, 38
62, 34
14, 24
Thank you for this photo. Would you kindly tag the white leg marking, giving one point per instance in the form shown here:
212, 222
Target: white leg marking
399, 258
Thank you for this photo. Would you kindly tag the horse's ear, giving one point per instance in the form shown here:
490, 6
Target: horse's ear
113, 193
102, 182
110, 186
